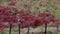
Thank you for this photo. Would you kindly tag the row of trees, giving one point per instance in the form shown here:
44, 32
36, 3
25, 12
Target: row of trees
11, 14
25, 18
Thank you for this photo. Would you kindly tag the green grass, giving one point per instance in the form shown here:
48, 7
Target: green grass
52, 29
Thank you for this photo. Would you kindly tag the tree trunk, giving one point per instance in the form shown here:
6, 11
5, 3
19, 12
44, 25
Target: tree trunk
10, 28
57, 28
28, 28
45, 28
19, 27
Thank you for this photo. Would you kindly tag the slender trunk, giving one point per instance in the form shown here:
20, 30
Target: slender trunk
19, 22
57, 28
45, 28
10, 28
19, 27
28, 28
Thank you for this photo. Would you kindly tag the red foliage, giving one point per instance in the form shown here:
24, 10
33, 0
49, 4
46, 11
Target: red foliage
57, 22
7, 15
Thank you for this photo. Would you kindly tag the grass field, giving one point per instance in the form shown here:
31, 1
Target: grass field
36, 30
